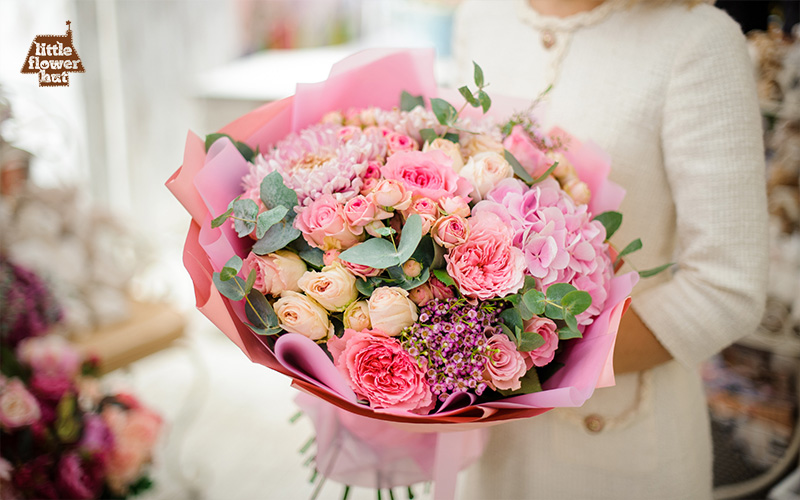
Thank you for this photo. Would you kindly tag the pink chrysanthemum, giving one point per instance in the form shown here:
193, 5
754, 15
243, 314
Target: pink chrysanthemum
320, 160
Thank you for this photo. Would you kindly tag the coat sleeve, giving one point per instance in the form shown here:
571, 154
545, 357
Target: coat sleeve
713, 154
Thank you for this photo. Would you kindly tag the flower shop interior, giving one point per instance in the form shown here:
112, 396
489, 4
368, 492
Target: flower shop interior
91, 240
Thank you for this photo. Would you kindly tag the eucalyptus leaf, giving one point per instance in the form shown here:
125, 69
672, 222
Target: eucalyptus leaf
276, 237
444, 111
477, 74
546, 174
526, 313
218, 221
251, 280
652, 272
245, 150
611, 221
235, 262
385, 231
512, 319
409, 102
507, 331
485, 100
519, 170
232, 288
245, 212
375, 252
445, 278
259, 311
410, 237
567, 334
409, 283
266, 220
452, 137
530, 341
425, 252
227, 273
265, 332
576, 302
274, 193
428, 135
555, 293
365, 287
572, 322
467, 94
535, 301
630, 248
312, 255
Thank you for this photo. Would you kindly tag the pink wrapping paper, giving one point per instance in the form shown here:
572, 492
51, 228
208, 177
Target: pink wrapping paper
206, 183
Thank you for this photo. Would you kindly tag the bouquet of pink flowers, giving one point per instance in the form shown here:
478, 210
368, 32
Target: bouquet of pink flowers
421, 263
61, 436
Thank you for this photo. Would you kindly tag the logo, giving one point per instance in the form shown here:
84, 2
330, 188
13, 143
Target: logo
53, 57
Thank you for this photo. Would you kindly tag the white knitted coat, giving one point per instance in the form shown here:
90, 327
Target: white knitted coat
668, 93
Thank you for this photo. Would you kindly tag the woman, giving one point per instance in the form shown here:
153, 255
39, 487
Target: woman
666, 89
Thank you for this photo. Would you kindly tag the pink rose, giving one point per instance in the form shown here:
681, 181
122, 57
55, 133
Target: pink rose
361, 270
390, 310
454, 205
329, 257
18, 407
450, 231
412, 268
547, 329
50, 387
135, 434
487, 265
400, 142
379, 370
526, 152
51, 355
428, 174
300, 314
504, 364
361, 211
422, 206
391, 194
275, 272
323, 224
421, 295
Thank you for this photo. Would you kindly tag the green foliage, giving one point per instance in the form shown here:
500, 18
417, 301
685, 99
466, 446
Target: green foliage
259, 312
428, 135
382, 254
630, 248
477, 73
652, 272
445, 278
244, 216
611, 221
546, 174
529, 341
312, 255
445, 112
218, 221
485, 100
519, 170
535, 301
576, 301
530, 384
385, 231
409, 102
266, 220
467, 94
276, 237
274, 193
67, 426
246, 151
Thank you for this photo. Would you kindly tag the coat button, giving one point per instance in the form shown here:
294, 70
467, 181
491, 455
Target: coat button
594, 423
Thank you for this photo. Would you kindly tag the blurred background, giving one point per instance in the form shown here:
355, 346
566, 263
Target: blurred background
83, 205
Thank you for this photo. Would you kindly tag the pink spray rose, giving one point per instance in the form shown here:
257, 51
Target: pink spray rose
361, 270
18, 407
487, 265
390, 310
439, 290
526, 152
362, 210
74, 478
391, 194
505, 365
400, 142
450, 231
428, 174
547, 329
275, 272
379, 370
324, 226
135, 433
421, 295
454, 205
334, 287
